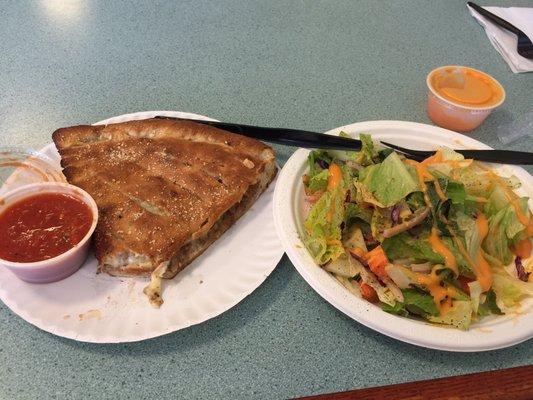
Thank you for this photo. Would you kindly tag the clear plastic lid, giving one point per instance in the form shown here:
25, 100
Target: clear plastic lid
520, 127
19, 167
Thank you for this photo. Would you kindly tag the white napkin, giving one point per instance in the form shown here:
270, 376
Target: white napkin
505, 41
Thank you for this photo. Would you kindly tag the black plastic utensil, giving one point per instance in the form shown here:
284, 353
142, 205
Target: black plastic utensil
289, 137
524, 46
314, 140
495, 156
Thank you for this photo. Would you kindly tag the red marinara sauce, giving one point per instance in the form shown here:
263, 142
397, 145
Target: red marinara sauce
43, 226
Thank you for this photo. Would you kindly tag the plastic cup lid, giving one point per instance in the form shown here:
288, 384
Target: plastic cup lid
20, 166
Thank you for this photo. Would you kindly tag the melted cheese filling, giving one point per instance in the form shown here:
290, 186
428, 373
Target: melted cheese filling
154, 288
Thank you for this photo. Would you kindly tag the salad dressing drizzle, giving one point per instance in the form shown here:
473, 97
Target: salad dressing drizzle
442, 296
523, 248
422, 174
523, 218
480, 266
434, 239
439, 247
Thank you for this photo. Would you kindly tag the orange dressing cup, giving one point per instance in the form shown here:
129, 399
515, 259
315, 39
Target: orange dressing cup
460, 98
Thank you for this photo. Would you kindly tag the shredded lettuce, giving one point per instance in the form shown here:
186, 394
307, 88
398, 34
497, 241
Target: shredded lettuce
509, 290
323, 227
445, 168
404, 246
489, 306
390, 181
319, 181
368, 153
451, 155
363, 195
381, 220
504, 230
342, 267
312, 161
470, 232
354, 211
397, 309
455, 191
496, 201
476, 183
344, 155
475, 294
353, 238
459, 315
415, 302
415, 201
419, 303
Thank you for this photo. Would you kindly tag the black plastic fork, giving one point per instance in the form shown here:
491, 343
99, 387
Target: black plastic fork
495, 156
314, 140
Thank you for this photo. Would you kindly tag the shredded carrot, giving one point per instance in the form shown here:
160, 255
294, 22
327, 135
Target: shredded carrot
358, 252
523, 248
377, 260
434, 159
335, 176
368, 293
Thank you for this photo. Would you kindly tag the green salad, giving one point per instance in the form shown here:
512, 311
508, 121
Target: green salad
446, 240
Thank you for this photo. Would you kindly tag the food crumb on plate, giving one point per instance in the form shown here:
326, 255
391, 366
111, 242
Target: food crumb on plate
516, 313
66, 316
458, 141
90, 314
110, 301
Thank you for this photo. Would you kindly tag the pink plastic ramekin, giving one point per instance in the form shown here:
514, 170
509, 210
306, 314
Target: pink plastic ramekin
65, 264
453, 115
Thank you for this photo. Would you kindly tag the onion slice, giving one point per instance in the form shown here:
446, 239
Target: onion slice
416, 219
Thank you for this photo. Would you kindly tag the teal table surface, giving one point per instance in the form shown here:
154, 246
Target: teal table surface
305, 64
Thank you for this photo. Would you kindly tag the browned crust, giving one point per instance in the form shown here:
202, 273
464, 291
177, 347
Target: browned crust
196, 247
161, 186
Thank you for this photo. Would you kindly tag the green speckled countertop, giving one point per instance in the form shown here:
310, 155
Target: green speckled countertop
306, 64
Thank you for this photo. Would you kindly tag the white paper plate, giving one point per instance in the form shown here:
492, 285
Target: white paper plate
491, 333
103, 309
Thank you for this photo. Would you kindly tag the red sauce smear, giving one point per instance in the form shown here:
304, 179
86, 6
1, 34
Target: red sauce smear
43, 226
